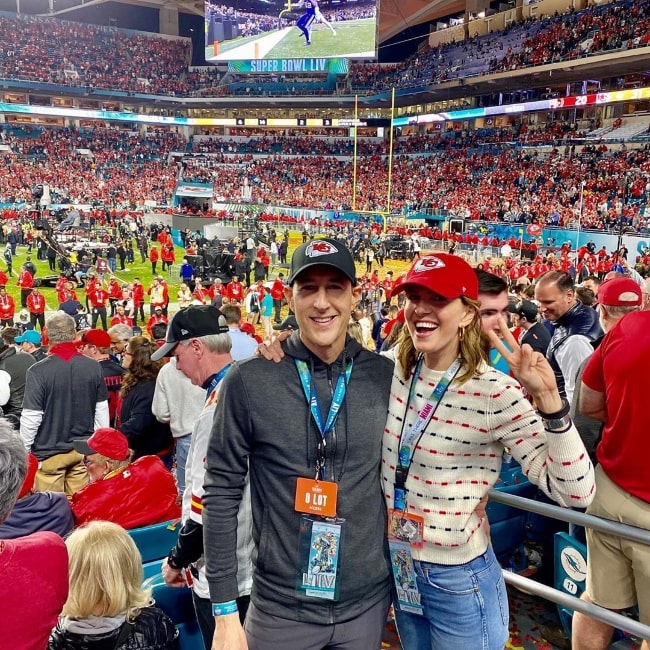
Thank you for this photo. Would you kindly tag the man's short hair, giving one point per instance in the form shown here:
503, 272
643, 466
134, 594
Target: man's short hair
60, 328
563, 280
121, 331
9, 335
490, 284
232, 314
13, 467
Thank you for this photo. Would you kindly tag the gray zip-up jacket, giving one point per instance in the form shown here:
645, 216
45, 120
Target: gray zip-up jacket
263, 425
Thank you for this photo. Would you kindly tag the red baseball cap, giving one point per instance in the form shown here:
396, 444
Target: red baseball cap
620, 292
106, 441
98, 338
447, 275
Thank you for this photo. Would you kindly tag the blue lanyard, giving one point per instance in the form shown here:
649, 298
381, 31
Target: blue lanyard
312, 400
409, 441
214, 382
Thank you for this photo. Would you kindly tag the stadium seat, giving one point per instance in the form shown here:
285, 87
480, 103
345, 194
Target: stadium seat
508, 524
154, 542
570, 568
177, 604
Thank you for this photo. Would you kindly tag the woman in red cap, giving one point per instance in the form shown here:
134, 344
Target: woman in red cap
450, 417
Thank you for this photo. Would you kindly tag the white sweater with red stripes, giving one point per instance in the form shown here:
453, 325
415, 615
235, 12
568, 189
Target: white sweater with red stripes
458, 458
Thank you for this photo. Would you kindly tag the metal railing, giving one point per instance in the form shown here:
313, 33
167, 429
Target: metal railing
625, 531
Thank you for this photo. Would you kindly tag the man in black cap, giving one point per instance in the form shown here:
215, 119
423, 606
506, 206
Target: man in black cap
199, 340
308, 437
525, 316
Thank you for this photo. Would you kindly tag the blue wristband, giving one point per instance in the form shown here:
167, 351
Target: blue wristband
223, 609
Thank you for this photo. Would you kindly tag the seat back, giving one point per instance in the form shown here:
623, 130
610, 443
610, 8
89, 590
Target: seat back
570, 572
154, 542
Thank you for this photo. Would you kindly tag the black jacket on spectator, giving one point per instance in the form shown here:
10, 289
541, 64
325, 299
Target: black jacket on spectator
152, 630
136, 421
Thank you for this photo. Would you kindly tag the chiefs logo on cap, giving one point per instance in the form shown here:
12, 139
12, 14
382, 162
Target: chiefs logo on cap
317, 248
428, 263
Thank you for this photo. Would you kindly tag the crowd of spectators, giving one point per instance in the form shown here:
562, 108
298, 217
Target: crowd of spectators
94, 56
595, 30
107, 58
462, 175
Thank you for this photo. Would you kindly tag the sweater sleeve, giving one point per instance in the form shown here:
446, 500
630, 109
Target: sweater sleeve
557, 463
225, 479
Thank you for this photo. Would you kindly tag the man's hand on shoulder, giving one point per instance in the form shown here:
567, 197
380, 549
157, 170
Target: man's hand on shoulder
228, 633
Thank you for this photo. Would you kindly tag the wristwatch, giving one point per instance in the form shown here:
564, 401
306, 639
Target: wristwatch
559, 421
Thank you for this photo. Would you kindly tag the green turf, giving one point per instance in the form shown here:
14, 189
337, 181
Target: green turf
352, 37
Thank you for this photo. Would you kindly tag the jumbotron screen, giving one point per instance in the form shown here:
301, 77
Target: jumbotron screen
277, 36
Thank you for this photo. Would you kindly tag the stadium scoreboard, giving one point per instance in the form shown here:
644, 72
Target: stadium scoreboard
290, 36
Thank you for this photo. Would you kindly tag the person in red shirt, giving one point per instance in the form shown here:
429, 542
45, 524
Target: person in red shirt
114, 293
138, 301
167, 256
234, 291
277, 293
153, 258
7, 308
200, 293
4, 279
66, 292
36, 307
387, 286
215, 289
121, 317
98, 299
25, 282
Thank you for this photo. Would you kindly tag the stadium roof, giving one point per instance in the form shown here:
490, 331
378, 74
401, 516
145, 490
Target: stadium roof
395, 15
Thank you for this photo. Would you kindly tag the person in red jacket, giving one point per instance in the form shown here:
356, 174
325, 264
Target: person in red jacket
153, 258
234, 291
36, 308
138, 301
277, 293
167, 256
157, 317
98, 299
131, 494
25, 282
121, 317
114, 293
4, 279
7, 308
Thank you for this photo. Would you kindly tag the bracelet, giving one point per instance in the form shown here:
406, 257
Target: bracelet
223, 609
558, 425
563, 412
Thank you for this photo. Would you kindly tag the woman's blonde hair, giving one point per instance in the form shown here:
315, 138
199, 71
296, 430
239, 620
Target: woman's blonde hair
105, 573
474, 346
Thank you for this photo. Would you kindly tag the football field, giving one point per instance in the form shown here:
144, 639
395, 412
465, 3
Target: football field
353, 39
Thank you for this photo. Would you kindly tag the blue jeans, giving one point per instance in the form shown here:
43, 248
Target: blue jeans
465, 606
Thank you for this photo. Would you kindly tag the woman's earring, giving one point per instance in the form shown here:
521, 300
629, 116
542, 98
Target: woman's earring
461, 333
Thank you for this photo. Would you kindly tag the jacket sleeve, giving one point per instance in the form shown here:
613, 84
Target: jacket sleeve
225, 479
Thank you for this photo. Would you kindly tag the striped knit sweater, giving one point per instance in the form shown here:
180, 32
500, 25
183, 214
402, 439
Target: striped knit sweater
458, 458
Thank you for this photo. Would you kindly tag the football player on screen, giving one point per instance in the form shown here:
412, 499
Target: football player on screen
305, 21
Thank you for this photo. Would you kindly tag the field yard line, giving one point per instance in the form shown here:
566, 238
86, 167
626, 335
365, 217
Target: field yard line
247, 51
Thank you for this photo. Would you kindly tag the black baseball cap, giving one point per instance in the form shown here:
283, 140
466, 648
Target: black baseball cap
191, 322
323, 252
526, 309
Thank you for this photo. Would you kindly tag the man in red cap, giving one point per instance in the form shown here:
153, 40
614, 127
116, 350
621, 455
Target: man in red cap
612, 393
96, 344
144, 495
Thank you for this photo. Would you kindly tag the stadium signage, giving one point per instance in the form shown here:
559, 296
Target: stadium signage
337, 66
